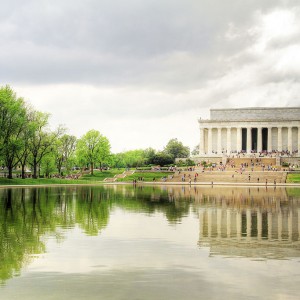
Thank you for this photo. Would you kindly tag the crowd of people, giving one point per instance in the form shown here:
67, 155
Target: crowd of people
254, 154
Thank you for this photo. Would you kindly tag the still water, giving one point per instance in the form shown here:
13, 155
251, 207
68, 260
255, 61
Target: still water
124, 242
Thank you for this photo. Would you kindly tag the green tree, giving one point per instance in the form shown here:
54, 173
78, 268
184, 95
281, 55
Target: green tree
48, 165
42, 141
149, 155
134, 158
26, 135
92, 148
117, 160
196, 150
64, 151
176, 149
12, 124
162, 158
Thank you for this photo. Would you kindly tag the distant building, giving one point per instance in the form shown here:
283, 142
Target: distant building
250, 130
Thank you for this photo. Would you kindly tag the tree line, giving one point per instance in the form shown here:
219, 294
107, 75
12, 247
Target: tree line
27, 143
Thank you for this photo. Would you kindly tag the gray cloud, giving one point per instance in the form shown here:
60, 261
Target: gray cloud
146, 64
153, 43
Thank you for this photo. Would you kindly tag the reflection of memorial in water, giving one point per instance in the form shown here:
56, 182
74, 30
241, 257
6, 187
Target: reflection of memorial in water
250, 222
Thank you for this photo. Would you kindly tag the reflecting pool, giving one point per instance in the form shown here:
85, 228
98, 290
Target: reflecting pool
151, 242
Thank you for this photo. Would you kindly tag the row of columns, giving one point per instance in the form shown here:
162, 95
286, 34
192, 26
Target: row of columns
249, 139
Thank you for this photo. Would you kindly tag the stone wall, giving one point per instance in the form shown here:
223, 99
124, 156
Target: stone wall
255, 114
290, 160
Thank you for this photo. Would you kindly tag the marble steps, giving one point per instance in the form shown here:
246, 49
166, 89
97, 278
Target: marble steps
232, 176
122, 175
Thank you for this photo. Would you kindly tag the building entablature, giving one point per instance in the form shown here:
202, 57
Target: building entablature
248, 124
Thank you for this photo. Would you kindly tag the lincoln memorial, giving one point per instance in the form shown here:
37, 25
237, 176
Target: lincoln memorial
250, 130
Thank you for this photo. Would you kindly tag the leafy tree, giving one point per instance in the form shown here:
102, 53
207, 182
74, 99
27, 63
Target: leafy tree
149, 155
42, 141
26, 134
12, 124
64, 151
162, 158
92, 148
117, 160
104, 152
134, 158
176, 149
48, 164
195, 150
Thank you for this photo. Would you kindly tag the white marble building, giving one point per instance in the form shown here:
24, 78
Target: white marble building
250, 130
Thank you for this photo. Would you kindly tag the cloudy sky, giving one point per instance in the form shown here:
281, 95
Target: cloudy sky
144, 71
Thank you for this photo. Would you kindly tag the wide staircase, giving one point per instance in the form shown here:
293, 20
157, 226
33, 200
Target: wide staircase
231, 176
257, 163
122, 175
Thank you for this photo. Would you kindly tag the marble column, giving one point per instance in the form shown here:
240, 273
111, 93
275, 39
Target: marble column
219, 148
270, 139
228, 140
239, 139
290, 140
249, 142
279, 146
209, 141
201, 146
259, 139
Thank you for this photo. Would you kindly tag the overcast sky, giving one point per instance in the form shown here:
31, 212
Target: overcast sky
144, 71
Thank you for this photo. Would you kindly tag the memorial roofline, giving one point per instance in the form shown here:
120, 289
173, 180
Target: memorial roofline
248, 120
257, 108
251, 114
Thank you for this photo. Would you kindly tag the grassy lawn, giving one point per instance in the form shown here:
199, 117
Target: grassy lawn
293, 178
85, 179
148, 176
100, 176
41, 181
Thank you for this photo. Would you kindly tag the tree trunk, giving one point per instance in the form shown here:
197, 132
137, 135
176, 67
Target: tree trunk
34, 169
23, 171
10, 172
92, 168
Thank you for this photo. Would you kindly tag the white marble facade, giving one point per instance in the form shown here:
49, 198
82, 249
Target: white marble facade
250, 130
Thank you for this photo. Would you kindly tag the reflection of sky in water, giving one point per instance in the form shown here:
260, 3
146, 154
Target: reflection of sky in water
144, 256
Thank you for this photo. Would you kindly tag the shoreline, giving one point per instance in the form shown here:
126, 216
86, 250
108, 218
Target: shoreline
193, 184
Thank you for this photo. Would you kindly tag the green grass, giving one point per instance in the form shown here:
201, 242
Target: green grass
41, 181
100, 176
293, 178
85, 179
148, 176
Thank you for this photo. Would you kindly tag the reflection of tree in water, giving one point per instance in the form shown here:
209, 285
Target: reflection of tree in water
28, 214
151, 199
21, 225
92, 209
